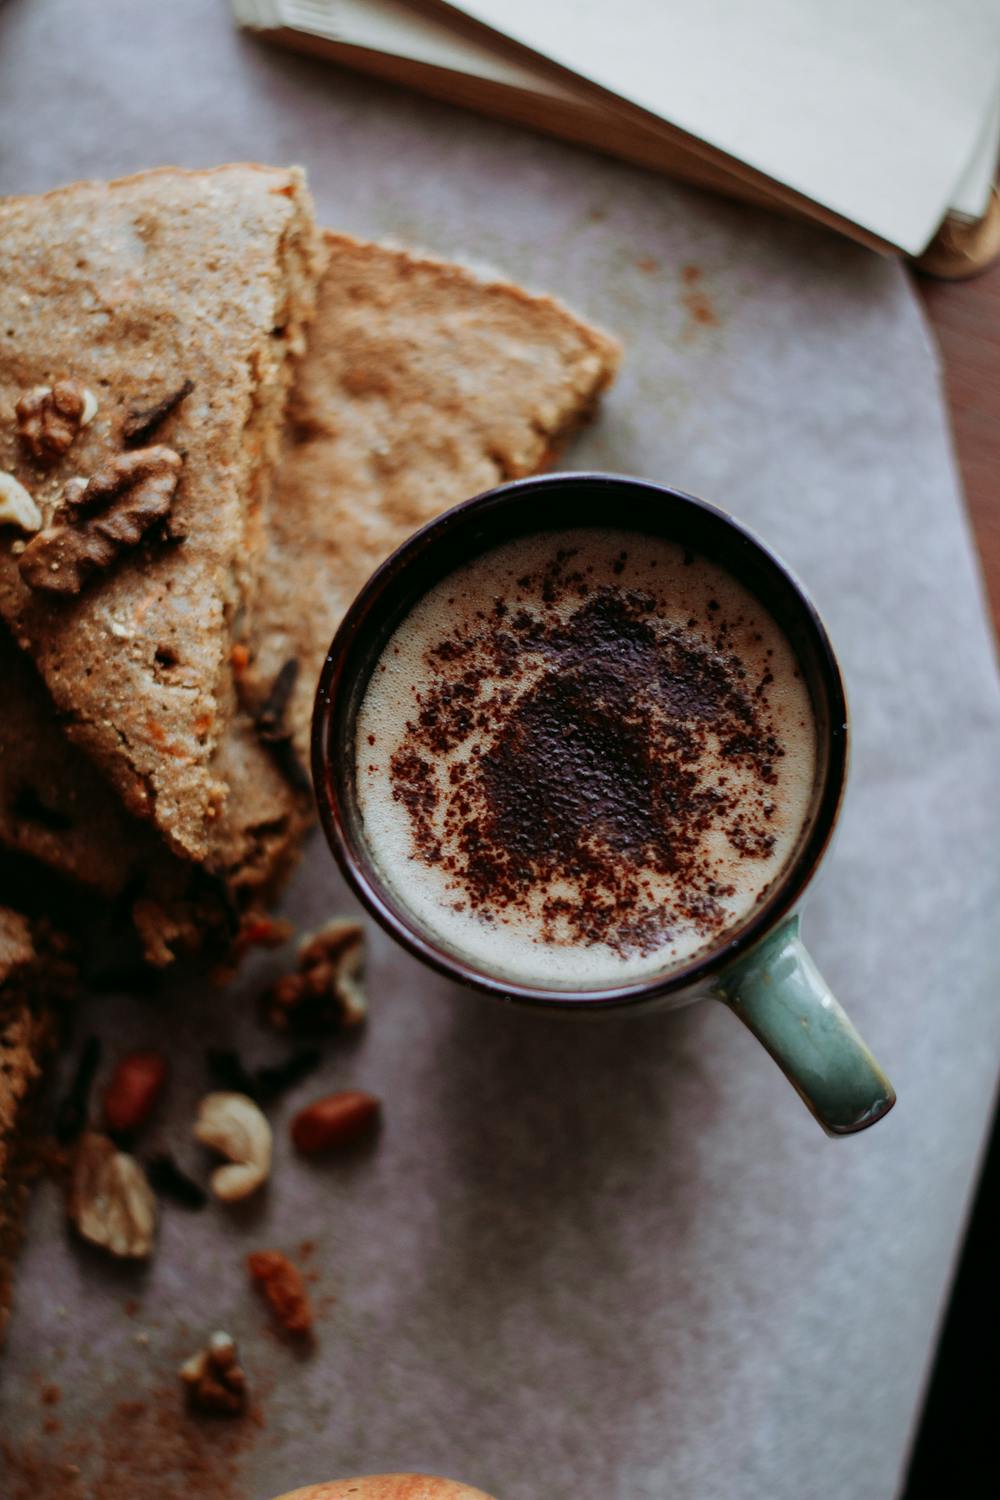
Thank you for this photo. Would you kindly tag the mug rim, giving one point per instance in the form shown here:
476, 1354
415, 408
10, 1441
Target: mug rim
696, 972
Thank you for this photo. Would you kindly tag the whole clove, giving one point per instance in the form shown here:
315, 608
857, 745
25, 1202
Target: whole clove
226, 1069
73, 1109
270, 722
167, 1179
263, 1084
273, 1080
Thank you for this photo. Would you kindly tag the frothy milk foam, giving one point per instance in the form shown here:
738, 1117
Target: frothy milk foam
584, 756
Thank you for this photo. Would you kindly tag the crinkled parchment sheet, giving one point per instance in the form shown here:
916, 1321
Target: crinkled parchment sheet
614, 1259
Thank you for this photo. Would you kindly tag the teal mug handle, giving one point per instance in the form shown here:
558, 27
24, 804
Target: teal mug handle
778, 992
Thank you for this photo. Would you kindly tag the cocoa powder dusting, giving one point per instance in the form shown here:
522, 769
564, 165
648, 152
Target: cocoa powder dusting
149, 1447
589, 749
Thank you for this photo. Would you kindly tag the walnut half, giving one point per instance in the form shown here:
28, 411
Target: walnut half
50, 416
326, 992
127, 495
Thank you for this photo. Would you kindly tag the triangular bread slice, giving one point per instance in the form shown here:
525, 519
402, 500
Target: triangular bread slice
133, 289
424, 384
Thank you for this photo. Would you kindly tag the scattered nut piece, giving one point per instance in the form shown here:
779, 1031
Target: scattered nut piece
215, 1382
133, 1091
17, 508
239, 658
334, 1121
74, 490
233, 1125
139, 424
281, 1283
259, 930
121, 501
110, 1201
50, 416
326, 993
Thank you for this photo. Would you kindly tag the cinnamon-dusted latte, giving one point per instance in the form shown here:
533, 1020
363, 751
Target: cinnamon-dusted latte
583, 757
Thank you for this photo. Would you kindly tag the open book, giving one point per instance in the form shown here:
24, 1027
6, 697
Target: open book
880, 118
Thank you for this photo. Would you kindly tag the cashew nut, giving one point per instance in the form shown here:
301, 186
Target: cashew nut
234, 1126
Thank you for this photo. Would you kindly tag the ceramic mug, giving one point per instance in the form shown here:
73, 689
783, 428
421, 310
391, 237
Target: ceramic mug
759, 968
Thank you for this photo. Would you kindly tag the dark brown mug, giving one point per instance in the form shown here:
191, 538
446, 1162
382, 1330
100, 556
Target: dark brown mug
759, 966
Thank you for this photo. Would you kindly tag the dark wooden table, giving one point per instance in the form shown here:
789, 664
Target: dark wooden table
965, 316
955, 1451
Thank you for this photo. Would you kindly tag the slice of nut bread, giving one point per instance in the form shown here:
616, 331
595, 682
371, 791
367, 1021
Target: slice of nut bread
117, 298
421, 385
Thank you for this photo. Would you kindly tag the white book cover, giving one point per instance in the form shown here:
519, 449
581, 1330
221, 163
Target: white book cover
397, 28
872, 108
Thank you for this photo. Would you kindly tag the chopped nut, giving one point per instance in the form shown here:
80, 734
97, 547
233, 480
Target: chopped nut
234, 1126
326, 993
239, 656
281, 1283
74, 490
258, 930
215, 1382
50, 416
17, 508
139, 424
120, 502
335, 1121
110, 1201
131, 1096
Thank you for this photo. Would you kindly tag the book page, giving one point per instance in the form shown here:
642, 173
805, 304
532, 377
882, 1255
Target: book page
872, 108
972, 193
395, 28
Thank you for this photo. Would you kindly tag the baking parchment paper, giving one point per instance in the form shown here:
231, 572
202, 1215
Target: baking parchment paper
614, 1259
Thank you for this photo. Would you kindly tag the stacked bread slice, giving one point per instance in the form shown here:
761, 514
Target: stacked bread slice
174, 581
215, 421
